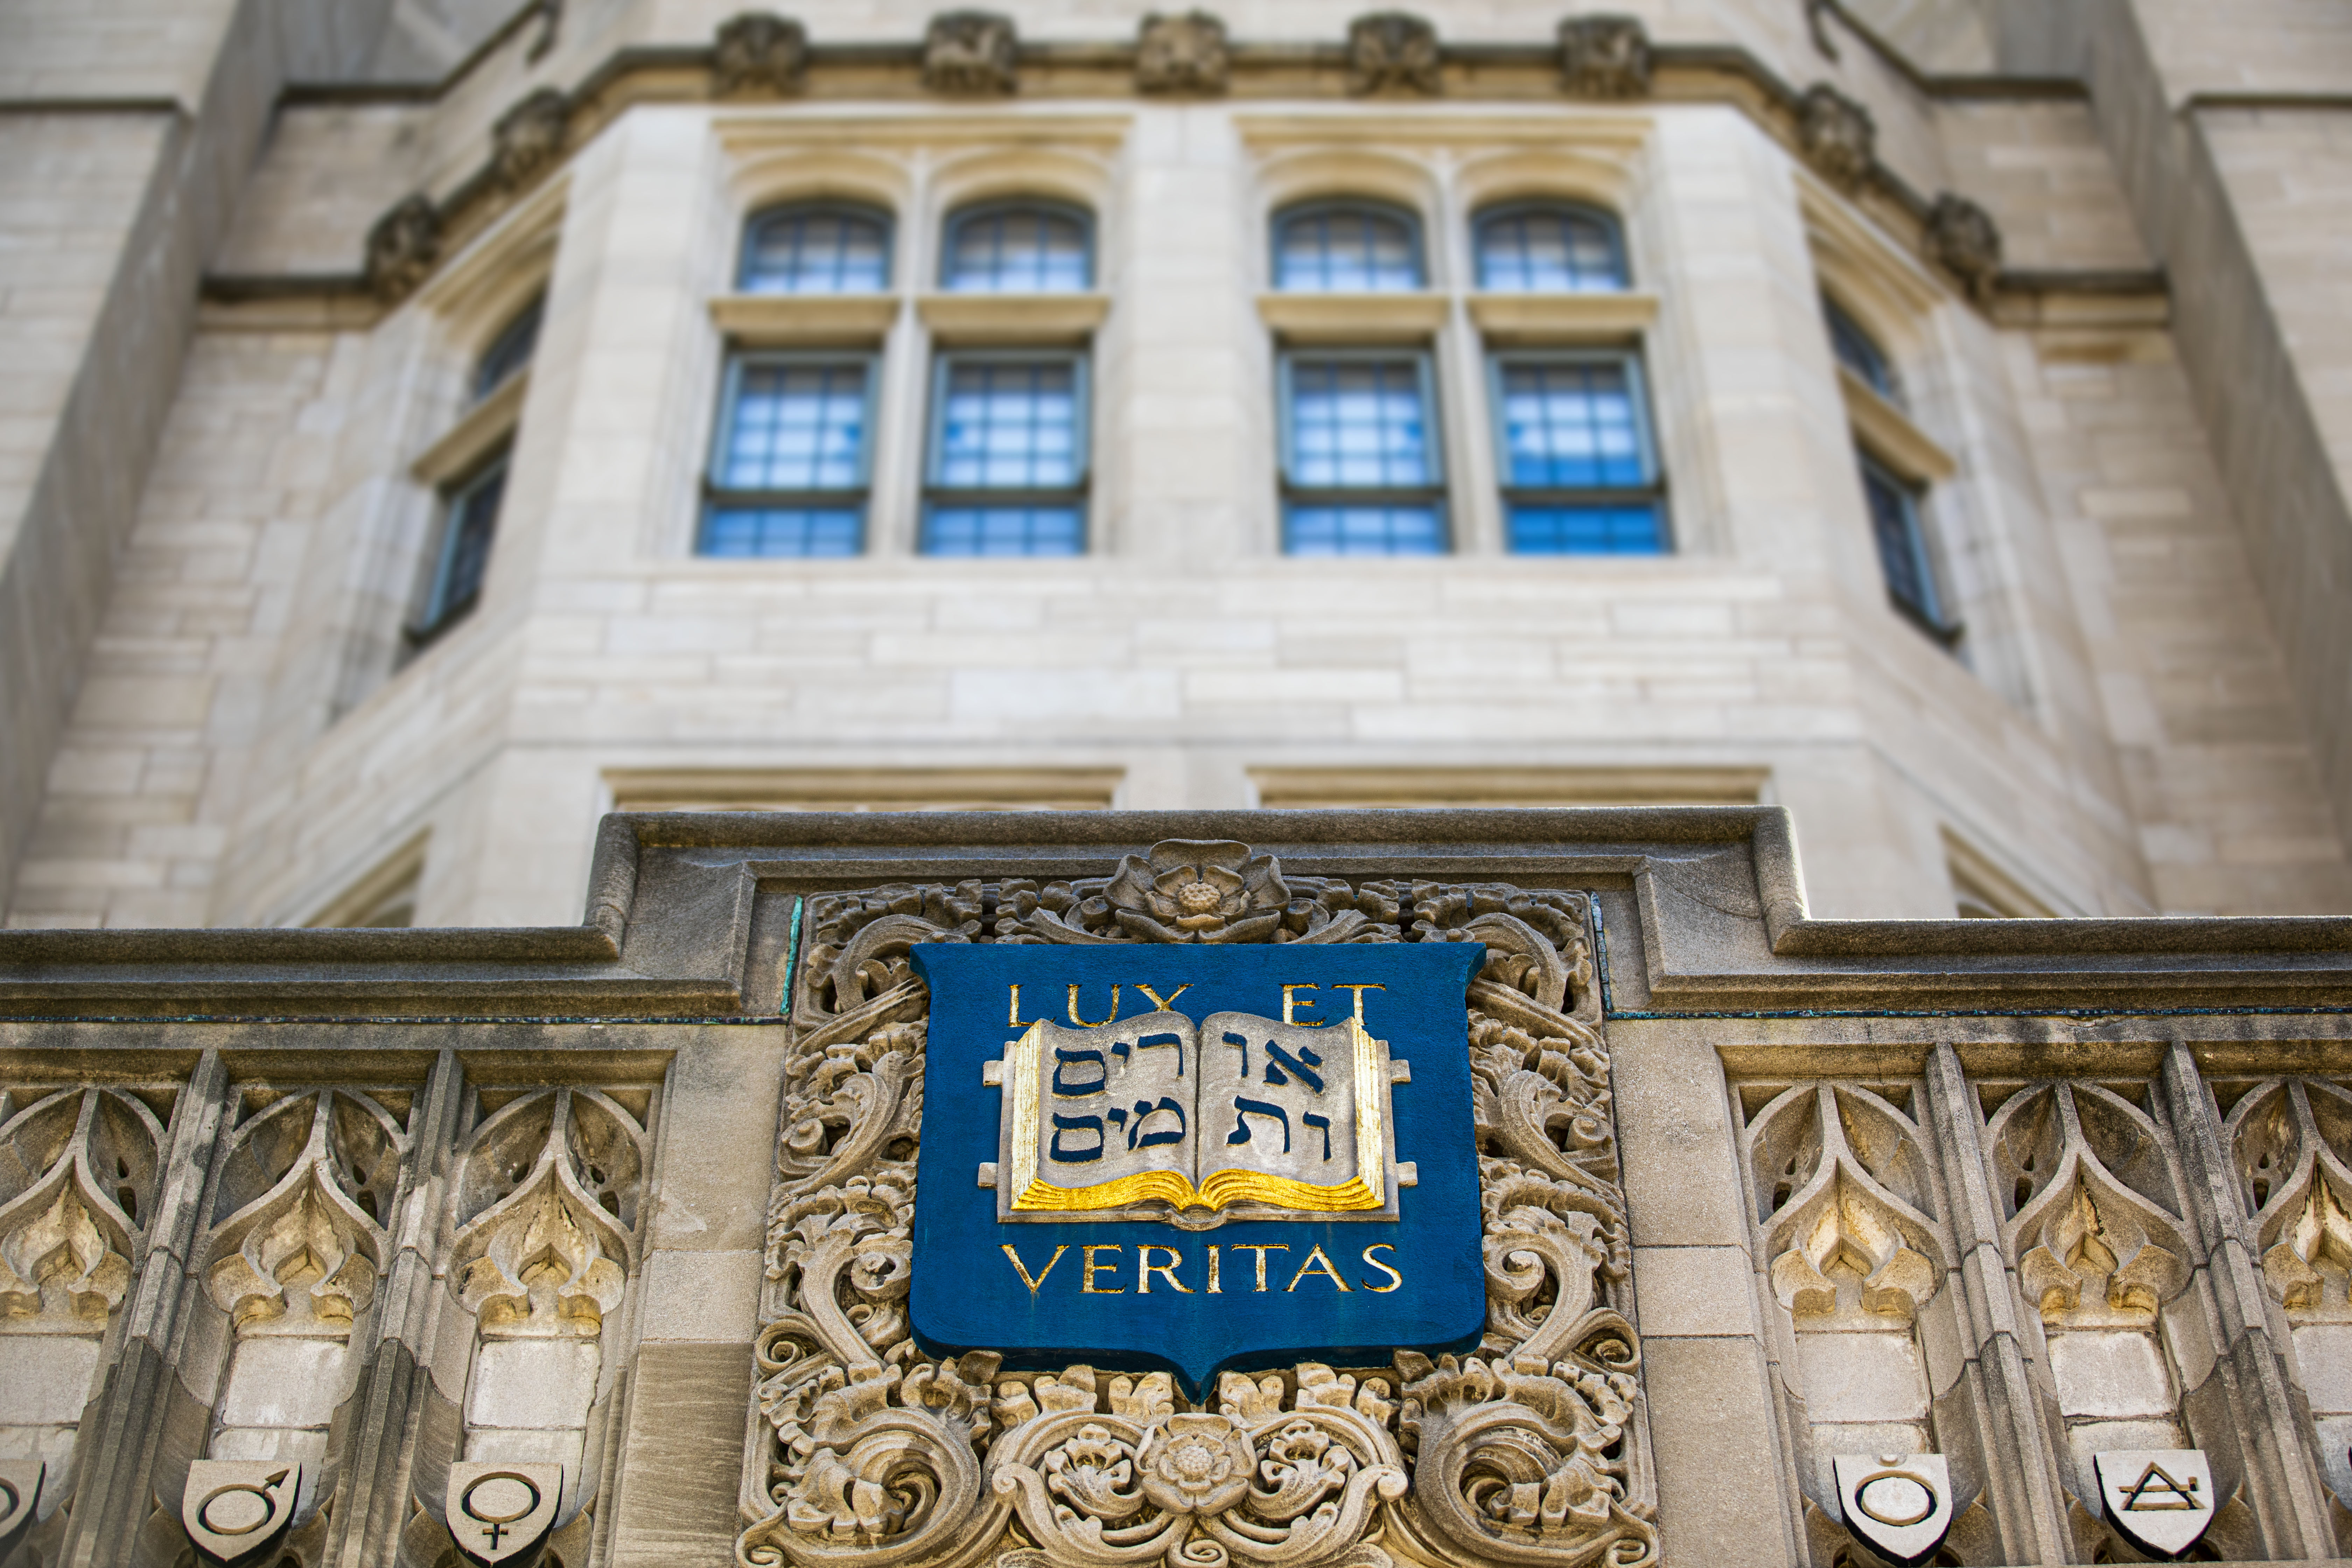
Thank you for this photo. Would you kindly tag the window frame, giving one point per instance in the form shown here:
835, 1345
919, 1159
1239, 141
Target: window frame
1840, 322
1416, 237
531, 314
821, 205
1437, 494
859, 499
1651, 494
1498, 211
1078, 495
435, 611
1936, 618
951, 230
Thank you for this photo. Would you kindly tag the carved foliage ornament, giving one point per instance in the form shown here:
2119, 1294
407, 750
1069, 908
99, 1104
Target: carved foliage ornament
303, 1192
76, 1166
1604, 56
1533, 1450
1182, 54
971, 54
2291, 1138
2082, 1175
548, 1198
1842, 1185
758, 52
1393, 52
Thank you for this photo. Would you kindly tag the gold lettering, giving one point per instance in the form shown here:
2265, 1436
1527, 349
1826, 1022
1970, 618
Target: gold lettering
1146, 1268
1165, 1003
1289, 1001
1013, 1015
1216, 1288
1023, 1269
1097, 1023
1360, 991
1261, 1248
1308, 1266
1395, 1278
1086, 1281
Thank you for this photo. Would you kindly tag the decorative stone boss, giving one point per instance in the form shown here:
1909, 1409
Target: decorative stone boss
1264, 1220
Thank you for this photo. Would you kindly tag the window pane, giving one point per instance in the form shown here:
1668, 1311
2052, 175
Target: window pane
1346, 250
817, 253
510, 350
796, 427
1009, 424
1585, 530
1570, 425
1548, 251
782, 532
1020, 250
1357, 425
1902, 549
1365, 530
465, 547
1004, 530
1858, 352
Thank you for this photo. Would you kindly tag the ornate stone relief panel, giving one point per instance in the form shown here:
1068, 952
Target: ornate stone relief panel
1531, 1450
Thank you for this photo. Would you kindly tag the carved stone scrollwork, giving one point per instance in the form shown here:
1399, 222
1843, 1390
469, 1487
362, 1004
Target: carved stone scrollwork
529, 138
2082, 1171
1962, 238
1840, 1179
1838, 135
1393, 52
759, 52
403, 248
1534, 1452
2291, 1138
1182, 54
971, 54
1604, 56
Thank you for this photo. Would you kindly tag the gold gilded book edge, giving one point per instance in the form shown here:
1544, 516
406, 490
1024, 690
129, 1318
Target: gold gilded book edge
1222, 1190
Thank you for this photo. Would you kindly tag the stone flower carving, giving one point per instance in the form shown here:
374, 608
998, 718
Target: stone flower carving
1187, 892
529, 138
1837, 134
1962, 237
401, 249
1392, 50
1604, 56
1197, 1464
759, 51
971, 54
1182, 54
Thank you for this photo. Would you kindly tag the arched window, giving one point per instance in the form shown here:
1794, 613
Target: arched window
510, 350
1347, 247
1018, 247
1548, 247
817, 248
1858, 352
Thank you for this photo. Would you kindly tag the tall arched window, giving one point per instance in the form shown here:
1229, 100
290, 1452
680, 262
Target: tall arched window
1347, 247
1894, 498
817, 248
1548, 247
1018, 247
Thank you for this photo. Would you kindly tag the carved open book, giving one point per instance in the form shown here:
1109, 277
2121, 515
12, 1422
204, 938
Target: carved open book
1238, 1110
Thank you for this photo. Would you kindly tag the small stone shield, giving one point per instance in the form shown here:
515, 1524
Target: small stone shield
2158, 1500
238, 1511
501, 1515
1898, 1505
20, 1496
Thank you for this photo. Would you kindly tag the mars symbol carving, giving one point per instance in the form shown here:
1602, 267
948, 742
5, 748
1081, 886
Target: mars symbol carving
1198, 1157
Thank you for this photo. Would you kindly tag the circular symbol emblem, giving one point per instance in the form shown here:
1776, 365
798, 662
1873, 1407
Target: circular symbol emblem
1894, 1498
239, 1510
501, 1496
9, 1500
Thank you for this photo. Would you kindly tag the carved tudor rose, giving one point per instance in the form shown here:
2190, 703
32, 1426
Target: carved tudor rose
759, 51
1392, 50
883, 1438
1604, 56
1838, 135
971, 54
237, 1511
2159, 1500
1898, 1505
1182, 54
401, 249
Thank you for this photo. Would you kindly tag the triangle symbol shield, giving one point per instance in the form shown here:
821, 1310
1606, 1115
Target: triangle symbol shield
2161, 1500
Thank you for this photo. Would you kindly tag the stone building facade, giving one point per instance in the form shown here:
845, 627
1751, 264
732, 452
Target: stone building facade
1918, 416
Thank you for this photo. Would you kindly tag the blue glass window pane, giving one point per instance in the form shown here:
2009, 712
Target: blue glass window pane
796, 427
817, 253
1004, 530
1858, 352
1346, 250
1009, 424
1571, 426
745, 531
1585, 531
472, 522
1018, 250
1548, 252
1357, 425
510, 350
1902, 549
1365, 530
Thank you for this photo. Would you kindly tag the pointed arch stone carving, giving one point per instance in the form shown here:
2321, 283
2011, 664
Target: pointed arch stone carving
1533, 1451
2082, 1170
2291, 1141
1841, 1176
76, 1164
